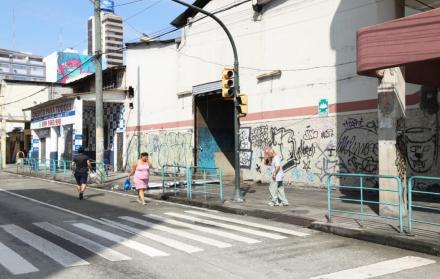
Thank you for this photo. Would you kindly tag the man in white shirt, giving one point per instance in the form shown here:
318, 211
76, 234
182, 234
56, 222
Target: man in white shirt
276, 187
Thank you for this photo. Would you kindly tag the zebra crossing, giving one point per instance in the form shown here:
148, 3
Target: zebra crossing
158, 236
208, 232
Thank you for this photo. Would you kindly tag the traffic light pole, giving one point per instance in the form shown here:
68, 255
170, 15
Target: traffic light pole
237, 192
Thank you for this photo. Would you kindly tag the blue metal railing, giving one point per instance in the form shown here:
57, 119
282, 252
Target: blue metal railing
175, 176
55, 168
361, 200
205, 181
412, 206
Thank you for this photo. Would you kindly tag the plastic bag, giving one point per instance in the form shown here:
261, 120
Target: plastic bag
93, 176
127, 185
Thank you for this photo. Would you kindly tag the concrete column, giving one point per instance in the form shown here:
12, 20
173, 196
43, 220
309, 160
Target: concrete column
391, 114
3, 144
61, 141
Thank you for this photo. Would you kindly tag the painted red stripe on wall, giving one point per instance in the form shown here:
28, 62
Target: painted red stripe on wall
284, 113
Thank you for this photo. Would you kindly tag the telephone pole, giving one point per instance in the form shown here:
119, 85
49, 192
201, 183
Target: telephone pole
99, 105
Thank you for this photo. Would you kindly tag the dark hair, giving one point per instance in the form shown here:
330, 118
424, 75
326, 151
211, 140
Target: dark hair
144, 154
80, 149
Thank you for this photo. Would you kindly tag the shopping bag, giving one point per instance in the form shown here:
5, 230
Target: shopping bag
127, 185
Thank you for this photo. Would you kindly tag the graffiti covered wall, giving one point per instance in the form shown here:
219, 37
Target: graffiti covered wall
311, 148
164, 147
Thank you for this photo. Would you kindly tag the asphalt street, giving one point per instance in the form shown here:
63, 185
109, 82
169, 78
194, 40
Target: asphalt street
46, 232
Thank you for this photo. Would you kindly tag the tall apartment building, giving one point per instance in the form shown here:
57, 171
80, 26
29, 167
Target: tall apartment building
112, 38
21, 66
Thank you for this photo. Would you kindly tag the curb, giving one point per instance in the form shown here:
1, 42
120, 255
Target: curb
284, 218
397, 241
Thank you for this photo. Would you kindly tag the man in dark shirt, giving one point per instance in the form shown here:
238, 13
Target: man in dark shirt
80, 166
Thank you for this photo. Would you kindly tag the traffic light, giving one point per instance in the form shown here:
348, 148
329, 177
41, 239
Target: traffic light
242, 104
130, 92
228, 83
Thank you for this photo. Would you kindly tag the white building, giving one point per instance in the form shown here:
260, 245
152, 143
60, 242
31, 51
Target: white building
59, 127
15, 95
294, 56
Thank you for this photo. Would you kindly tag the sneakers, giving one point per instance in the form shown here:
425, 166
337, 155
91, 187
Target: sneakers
81, 196
273, 204
284, 204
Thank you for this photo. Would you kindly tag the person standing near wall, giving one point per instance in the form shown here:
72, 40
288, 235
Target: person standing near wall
80, 166
276, 187
141, 171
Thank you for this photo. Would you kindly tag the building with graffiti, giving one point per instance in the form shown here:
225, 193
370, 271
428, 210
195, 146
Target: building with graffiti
298, 67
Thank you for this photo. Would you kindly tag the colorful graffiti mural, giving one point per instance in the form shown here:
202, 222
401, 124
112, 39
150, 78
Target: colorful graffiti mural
165, 148
73, 64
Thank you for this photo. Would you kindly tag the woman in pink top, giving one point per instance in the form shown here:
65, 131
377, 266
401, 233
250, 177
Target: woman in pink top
141, 171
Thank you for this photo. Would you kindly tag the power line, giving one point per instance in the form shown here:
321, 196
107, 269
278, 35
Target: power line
43, 89
424, 4
128, 3
143, 10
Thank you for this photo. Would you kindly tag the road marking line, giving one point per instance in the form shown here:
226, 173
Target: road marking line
250, 224
13, 262
164, 240
226, 226
181, 233
53, 251
97, 248
378, 269
204, 229
147, 250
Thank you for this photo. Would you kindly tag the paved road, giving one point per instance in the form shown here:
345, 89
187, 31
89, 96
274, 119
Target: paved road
46, 232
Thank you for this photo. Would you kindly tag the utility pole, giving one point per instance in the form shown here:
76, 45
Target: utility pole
99, 106
237, 192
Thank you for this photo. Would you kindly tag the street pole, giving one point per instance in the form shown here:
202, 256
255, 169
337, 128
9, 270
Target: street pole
237, 192
99, 106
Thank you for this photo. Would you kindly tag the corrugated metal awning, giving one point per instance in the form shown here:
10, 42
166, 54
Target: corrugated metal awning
214, 87
413, 42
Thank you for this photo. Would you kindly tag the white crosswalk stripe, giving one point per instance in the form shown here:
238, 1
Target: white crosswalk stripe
226, 226
163, 240
14, 262
250, 224
147, 250
88, 244
378, 269
181, 233
204, 229
53, 251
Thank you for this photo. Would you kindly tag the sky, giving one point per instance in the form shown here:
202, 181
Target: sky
44, 26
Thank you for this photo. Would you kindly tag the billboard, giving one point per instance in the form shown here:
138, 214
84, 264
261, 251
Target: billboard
108, 6
70, 65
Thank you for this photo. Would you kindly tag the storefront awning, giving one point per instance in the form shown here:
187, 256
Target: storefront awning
413, 42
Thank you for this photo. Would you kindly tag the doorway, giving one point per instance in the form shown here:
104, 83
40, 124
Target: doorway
43, 148
214, 132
